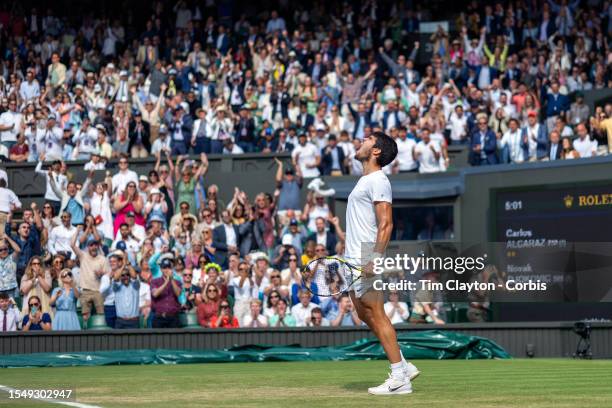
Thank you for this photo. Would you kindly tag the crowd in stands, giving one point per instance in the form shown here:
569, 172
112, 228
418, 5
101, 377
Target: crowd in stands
187, 79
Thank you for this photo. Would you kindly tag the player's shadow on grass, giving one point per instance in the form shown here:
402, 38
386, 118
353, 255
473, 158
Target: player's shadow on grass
357, 386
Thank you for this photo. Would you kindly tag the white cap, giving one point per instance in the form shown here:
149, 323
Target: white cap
287, 239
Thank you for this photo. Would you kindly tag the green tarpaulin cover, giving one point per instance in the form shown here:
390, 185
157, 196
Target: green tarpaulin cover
430, 344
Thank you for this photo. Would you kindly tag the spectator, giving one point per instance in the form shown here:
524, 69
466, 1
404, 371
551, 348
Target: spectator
37, 282
568, 151
9, 315
64, 298
535, 138
554, 146
224, 319
316, 319
209, 306
165, 292
585, 146
126, 287
345, 315
301, 311
226, 239
8, 203
427, 153
35, 318
324, 236
281, 318
395, 310
72, 199
255, 318
332, 158
124, 176
192, 292
306, 156
8, 267
93, 266
483, 146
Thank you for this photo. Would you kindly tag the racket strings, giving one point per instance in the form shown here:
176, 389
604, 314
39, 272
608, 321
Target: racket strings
329, 275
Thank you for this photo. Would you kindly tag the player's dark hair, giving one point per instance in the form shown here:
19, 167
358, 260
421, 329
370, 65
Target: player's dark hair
387, 146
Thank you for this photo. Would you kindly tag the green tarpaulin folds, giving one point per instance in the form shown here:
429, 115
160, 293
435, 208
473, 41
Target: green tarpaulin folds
431, 344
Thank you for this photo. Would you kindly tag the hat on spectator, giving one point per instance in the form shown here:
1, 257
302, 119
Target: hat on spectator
154, 191
256, 256
110, 65
137, 113
190, 216
97, 88
78, 86
51, 117
163, 129
92, 241
143, 178
117, 254
289, 170
172, 71
293, 222
96, 152
121, 246
156, 218
130, 214
101, 127
123, 72
167, 257
166, 263
287, 239
221, 108
532, 113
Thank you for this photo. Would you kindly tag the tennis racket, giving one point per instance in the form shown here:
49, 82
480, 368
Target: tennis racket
329, 276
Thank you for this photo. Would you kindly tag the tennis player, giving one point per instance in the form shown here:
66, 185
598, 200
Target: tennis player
369, 224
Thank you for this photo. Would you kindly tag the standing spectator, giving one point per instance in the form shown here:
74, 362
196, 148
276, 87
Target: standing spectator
535, 138
332, 158
226, 239
511, 144
242, 287
59, 180
556, 104
395, 310
8, 203
140, 137
9, 315
209, 306
56, 73
10, 124
406, 162
579, 111
8, 267
554, 146
584, 145
427, 153
35, 318
72, 199
93, 266
64, 298
126, 287
483, 146
307, 157
37, 282
165, 292
124, 176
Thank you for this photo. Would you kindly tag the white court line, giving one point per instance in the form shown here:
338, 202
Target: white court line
50, 400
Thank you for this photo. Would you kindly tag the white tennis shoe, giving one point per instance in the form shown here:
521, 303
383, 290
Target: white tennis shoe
411, 371
392, 386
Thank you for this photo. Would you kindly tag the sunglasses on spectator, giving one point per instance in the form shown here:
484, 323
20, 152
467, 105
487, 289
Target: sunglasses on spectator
4, 249
36, 263
211, 290
58, 261
275, 276
207, 215
47, 207
319, 250
244, 268
65, 217
225, 306
69, 274
292, 260
34, 304
187, 274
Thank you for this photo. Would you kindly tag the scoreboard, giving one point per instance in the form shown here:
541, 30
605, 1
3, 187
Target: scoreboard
560, 234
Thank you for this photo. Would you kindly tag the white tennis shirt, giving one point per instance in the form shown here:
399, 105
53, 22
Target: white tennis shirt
361, 224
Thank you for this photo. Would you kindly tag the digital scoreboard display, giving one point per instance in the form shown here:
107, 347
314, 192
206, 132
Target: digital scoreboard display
572, 213
561, 235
